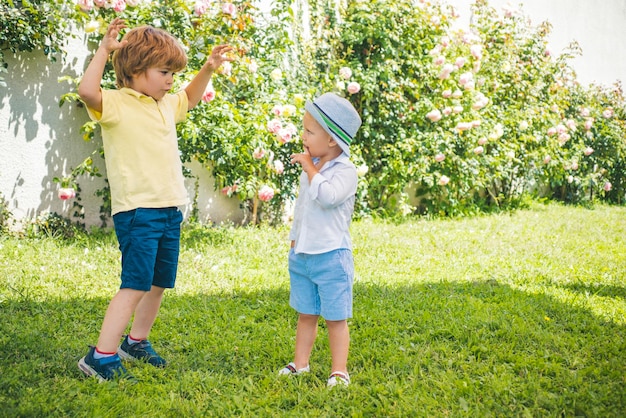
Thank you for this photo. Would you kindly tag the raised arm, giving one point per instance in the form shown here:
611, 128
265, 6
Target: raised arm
89, 87
195, 89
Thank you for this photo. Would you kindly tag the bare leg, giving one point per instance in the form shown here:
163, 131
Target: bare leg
116, 318
305, 337
339, 340
146, 312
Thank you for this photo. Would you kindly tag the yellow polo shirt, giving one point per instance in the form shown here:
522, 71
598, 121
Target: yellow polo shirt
141, 148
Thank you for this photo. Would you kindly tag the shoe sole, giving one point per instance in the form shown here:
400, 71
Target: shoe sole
88, 370
125, 356
287, 372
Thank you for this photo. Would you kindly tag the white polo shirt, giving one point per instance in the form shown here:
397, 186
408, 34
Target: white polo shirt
324, 207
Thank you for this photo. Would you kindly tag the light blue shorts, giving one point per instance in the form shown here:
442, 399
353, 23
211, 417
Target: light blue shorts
321, 284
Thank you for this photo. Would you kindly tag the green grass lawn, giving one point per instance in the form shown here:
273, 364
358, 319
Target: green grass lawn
520, 314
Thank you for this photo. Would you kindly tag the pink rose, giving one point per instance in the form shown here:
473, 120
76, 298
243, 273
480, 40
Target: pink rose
291, 128
434, 115
229, 9
345, 73
277, 110
209, 94
66, 193
476, 51
274, 125
482, 141
588, 124
279, 167
481, 101
354, 87
435, 51
563, 138
552, 131
226, 68
607, 186
258, 153
440, 157
85, 5
440, 60
266, 193
457, 94
99, 3
201, 7
446, 94
460, 62
584, 112
465, 78
588, 151
119, 6
478, 150
547, 159
443, 180
229, 190
464, 126
253, 67
608, 113
284, 135
447, 111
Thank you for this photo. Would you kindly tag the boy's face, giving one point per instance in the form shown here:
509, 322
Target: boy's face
315, 140
154, 82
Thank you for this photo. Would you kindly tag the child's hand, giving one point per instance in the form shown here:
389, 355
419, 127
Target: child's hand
110, 42
304, 159
218, 56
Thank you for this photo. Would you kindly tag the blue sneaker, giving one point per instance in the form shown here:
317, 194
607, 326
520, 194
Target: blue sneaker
107, 368
140, 351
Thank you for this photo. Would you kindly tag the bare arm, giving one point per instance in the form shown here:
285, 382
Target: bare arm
89, 87
195, 89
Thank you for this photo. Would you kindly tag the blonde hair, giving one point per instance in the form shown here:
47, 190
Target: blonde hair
147, 47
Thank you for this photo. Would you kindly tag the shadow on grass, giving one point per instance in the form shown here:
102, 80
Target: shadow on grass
430, 349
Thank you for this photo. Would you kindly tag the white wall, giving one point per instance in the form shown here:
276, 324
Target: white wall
599, 27
40, 140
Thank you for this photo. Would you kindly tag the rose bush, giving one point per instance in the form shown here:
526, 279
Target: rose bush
488, 113
454, 121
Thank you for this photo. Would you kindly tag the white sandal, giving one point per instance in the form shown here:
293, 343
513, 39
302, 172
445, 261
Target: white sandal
291, 369
338, 378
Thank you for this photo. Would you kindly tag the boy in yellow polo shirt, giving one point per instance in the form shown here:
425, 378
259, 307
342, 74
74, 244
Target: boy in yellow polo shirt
138, 123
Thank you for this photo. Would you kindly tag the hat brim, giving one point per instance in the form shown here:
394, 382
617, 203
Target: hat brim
309, 107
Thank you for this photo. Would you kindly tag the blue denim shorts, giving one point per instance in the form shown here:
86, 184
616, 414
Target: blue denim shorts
321, 284
150, 243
